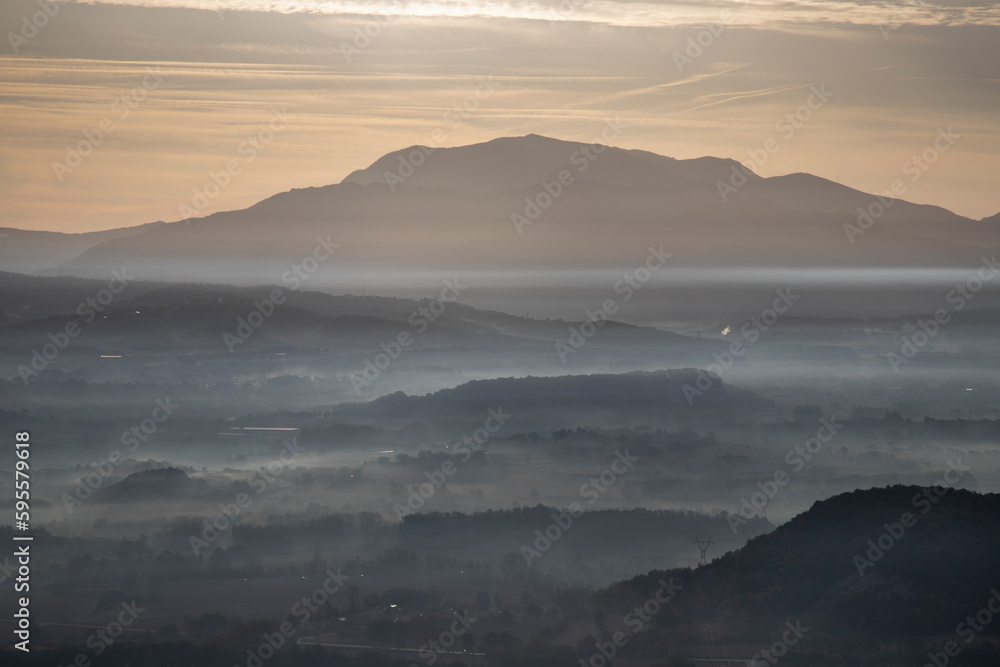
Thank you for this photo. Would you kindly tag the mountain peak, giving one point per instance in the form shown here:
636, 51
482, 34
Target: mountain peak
507, 163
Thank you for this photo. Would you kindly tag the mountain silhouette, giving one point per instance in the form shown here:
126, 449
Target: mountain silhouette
535, 203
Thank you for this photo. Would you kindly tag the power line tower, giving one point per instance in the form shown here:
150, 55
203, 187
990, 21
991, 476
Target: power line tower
703, 546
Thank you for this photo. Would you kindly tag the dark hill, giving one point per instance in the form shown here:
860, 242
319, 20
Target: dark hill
146, 485
934, 575
571, 400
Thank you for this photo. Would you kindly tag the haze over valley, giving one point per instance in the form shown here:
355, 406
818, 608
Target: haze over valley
597, 334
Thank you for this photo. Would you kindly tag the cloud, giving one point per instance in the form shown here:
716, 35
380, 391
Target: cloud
627, 12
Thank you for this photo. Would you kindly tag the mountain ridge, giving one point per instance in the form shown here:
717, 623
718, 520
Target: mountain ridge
460, 206
525, 161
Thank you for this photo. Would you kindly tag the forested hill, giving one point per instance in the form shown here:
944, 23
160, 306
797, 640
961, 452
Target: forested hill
821, 567
571, 400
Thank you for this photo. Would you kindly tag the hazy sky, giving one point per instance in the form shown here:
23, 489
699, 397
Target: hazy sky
897, 73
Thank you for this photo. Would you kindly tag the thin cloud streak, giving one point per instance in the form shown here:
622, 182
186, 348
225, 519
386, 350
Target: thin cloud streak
622, 13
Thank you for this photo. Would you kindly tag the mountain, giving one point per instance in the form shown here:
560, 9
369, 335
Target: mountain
158, 318
26, 251
500, 206
826, 568
511, 163
331, 342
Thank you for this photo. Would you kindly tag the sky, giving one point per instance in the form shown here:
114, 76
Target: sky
120, 114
